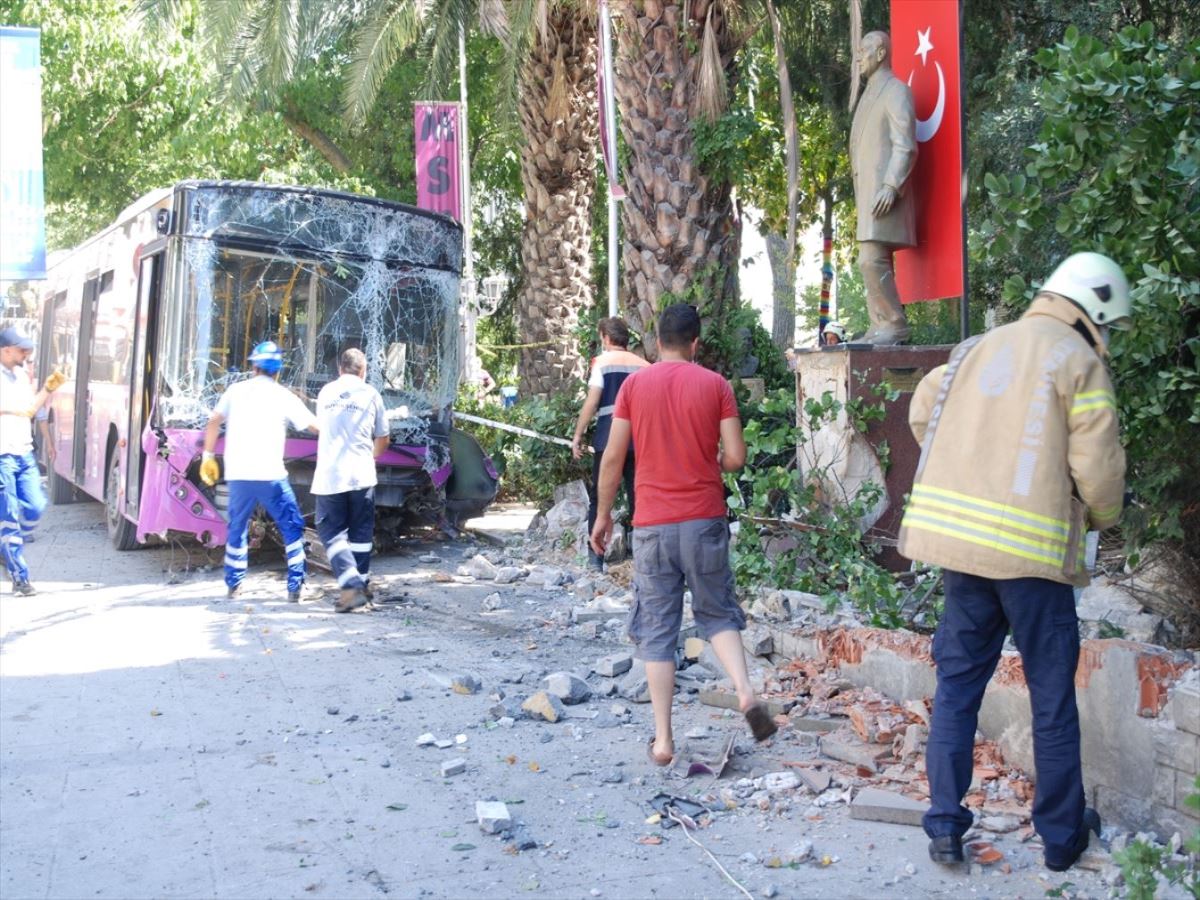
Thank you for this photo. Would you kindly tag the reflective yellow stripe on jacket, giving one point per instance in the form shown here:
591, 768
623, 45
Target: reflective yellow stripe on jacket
1006, 529
1089, 400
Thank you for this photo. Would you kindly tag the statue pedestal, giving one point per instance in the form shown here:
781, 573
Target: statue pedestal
850, 459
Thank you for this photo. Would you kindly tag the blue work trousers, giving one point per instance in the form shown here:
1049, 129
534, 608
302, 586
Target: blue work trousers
346, 524
22, 502
277, 499
979, 612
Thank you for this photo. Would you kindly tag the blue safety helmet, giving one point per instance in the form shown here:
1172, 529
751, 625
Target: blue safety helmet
267, 356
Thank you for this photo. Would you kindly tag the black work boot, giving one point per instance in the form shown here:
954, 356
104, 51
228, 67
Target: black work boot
1059, 861
946, 850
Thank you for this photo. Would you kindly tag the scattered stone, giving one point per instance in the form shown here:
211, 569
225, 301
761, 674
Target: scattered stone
748, 858
910, 869
506, 575
403, 697
506, 721
918, 709
426, 740
770, 891
620, 710
465, 683
492, 816
877, 805
567, 687
520, 839
698, 733
777, 782
385, 764
493, 602
454, 766
816, 780
332, 710
509, 707
443, 743
545, 705
615, 551
612, 776
1000, 824
479, 567
545, 737
584, 589
430, 558
913, 741
816, 724
613, 665
547, 576
634, 685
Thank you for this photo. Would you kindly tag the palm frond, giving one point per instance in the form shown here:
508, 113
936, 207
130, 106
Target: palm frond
493, 18
394, 26
162, 17
712, 88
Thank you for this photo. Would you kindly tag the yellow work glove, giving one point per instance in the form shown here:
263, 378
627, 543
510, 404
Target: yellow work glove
54, 381
210, 472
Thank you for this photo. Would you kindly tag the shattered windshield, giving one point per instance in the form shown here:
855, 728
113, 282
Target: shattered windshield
317, 275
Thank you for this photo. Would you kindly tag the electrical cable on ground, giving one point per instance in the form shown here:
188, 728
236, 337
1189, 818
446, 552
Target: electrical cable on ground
716, 862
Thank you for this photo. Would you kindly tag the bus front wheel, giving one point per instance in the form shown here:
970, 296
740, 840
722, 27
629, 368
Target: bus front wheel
121, 531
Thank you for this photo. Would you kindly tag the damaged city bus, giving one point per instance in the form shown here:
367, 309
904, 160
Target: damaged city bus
152, 318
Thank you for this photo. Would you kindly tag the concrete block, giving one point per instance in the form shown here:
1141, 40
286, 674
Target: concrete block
816, 724
613, 665
454, 766
492, 816
1164, 786
876, 805
1184, 707
634, 685
816, 780
758, 641
728, 700
1177, 749
847, 747
1185, 786
568, 687
793, 645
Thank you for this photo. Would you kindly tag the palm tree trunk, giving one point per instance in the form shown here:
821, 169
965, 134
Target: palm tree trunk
559, 118
679, 223
783, 285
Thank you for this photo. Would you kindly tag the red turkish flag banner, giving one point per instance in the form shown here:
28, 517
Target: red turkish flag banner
926, 53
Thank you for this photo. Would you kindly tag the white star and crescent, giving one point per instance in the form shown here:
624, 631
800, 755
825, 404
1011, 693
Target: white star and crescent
927, 128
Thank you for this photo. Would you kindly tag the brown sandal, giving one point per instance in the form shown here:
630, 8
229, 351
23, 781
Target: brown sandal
760, 721
655, 758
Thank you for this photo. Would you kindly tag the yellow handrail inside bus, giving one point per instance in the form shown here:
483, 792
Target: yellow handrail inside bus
286, 307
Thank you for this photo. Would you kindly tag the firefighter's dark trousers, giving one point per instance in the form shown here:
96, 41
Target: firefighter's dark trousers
979, 613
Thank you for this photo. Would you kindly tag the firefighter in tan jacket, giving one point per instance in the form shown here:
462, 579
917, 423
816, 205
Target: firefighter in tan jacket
1019, 455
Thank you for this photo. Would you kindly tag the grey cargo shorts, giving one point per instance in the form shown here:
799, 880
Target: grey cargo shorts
665, 557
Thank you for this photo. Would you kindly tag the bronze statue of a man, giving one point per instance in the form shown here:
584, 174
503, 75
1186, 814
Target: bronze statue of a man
883, 151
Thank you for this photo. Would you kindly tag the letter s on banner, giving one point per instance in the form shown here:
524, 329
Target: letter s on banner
439, 185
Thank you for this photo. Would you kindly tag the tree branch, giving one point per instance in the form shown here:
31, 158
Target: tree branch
320, 141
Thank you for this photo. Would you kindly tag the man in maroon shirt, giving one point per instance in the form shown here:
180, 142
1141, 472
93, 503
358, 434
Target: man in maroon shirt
684, 421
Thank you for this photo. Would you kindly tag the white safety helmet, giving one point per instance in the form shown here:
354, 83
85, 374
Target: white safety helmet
1096, 284
836, 328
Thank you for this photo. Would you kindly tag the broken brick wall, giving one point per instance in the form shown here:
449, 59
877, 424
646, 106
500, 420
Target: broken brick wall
1139, 710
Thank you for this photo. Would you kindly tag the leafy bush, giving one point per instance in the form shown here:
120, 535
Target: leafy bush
1143, 865
798, 533
529, 468
1117, 169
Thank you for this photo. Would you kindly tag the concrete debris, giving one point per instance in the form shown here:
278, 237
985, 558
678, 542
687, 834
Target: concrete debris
724, 699
546, 576
999, 824
816, 780
454, 766
509, 706
465, 683
492, 816
426, 739
613, 665
615, 551
757, 640
546, 706
493, 602
634, 685
520, 839
912, 742
815, 724
443, 743
507, 574
847, 747
568, 687
877, 805
778, 782
479, 567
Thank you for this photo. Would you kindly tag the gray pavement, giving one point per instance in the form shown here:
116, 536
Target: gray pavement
157, 740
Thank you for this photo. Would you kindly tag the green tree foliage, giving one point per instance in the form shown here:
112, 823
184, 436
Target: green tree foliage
123, 115
1116, 168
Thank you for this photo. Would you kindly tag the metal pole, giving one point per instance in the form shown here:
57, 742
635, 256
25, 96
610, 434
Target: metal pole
610, 139
464, 164
964, 311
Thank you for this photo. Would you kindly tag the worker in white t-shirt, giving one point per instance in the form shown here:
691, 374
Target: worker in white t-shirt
256, 414
354, 431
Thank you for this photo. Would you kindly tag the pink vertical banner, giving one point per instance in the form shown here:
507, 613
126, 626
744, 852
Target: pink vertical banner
439, 184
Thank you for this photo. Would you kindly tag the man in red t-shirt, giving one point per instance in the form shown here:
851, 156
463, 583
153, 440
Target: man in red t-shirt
684, 422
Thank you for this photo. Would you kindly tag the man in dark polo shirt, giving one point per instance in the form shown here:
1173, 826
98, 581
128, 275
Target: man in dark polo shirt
609, 371
684, 421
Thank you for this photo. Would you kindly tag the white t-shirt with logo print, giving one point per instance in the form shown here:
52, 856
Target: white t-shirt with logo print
351, 416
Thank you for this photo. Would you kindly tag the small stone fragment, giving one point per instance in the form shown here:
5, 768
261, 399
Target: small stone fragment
426, 740
465, 683
545, 705
567, 687
613, 665
492, 816
454, 766
478, 567
493, 602
506, 575
777, 782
